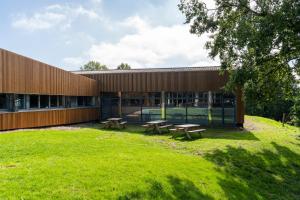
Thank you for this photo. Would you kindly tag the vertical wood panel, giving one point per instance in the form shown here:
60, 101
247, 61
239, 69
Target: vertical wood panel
32, 119
19, 74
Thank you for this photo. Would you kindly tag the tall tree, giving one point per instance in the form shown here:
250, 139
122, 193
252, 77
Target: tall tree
93, 66
123, 66
257, 41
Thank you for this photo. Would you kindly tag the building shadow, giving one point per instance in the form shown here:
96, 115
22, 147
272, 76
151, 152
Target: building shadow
211, 133
264, 175
179, 189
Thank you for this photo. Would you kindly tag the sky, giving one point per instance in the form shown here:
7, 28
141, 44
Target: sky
68, 34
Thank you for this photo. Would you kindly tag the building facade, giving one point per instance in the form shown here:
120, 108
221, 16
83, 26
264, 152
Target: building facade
178, 95
34, 94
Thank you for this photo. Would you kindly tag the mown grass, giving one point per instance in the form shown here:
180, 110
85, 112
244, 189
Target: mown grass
262, 162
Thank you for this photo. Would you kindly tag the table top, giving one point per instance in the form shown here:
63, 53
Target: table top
114, 119
187, 125
157, 122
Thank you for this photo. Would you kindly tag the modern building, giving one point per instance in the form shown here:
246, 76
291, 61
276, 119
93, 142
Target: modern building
34, 94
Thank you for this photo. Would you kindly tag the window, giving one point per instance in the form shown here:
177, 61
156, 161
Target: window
53, 101
90, 101
44, 101
3, 101
74, 102
81, 101
21, 101
34, 101
60, 101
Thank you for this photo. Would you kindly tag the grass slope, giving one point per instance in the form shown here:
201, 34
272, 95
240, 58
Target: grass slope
262, 162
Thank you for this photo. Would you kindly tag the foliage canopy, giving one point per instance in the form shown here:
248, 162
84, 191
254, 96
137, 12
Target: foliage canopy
257, 41
93, 66
124, 66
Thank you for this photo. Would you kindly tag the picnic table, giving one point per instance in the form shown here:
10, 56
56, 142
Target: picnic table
114, 123
157, 125
188, 128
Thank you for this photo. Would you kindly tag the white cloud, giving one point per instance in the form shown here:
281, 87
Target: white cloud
39, 21
153, 47
73, 63
96, 1
135, 22
56, 15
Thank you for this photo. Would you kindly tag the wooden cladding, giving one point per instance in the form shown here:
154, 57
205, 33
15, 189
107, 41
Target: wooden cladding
22, 75
33, 119
240, 106
184, 81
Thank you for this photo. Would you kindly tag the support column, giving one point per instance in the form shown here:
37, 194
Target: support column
120, 104
27, 101
39, 101
163, 105
210, 102
240, 107
11, 98
196, 99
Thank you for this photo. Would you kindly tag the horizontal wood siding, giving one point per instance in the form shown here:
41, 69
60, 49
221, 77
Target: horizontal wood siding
19, 74
33, 119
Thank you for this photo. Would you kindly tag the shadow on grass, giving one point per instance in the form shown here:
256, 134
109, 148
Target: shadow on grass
225, 133
180, 189
212, 133
264, 175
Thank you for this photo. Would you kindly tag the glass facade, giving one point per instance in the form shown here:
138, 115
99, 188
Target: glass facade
34, 101
21, 102
3, 102
204, 108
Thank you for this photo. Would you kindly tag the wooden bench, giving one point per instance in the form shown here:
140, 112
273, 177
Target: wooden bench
197, 131
147, 126
174, 131
105, 123
123, 124
165, 126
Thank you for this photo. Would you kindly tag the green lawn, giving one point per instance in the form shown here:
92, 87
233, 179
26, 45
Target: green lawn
262, 162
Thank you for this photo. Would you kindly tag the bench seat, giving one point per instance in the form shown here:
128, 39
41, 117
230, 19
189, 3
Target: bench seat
165, 126
197, 131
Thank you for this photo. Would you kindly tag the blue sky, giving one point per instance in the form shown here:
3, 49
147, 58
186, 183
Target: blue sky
67, 34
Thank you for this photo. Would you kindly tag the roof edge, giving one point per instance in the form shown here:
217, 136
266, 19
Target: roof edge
142, 70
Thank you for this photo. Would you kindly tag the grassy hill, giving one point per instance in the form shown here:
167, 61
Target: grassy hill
260, 162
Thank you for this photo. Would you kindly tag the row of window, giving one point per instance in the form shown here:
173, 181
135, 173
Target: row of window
176, 99
16, 102
197, 107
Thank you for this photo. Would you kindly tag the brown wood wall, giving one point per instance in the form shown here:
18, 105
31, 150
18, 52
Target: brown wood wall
160, 81
19, 74
33, 119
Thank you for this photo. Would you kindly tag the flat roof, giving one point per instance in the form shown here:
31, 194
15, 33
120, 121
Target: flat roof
143, 70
